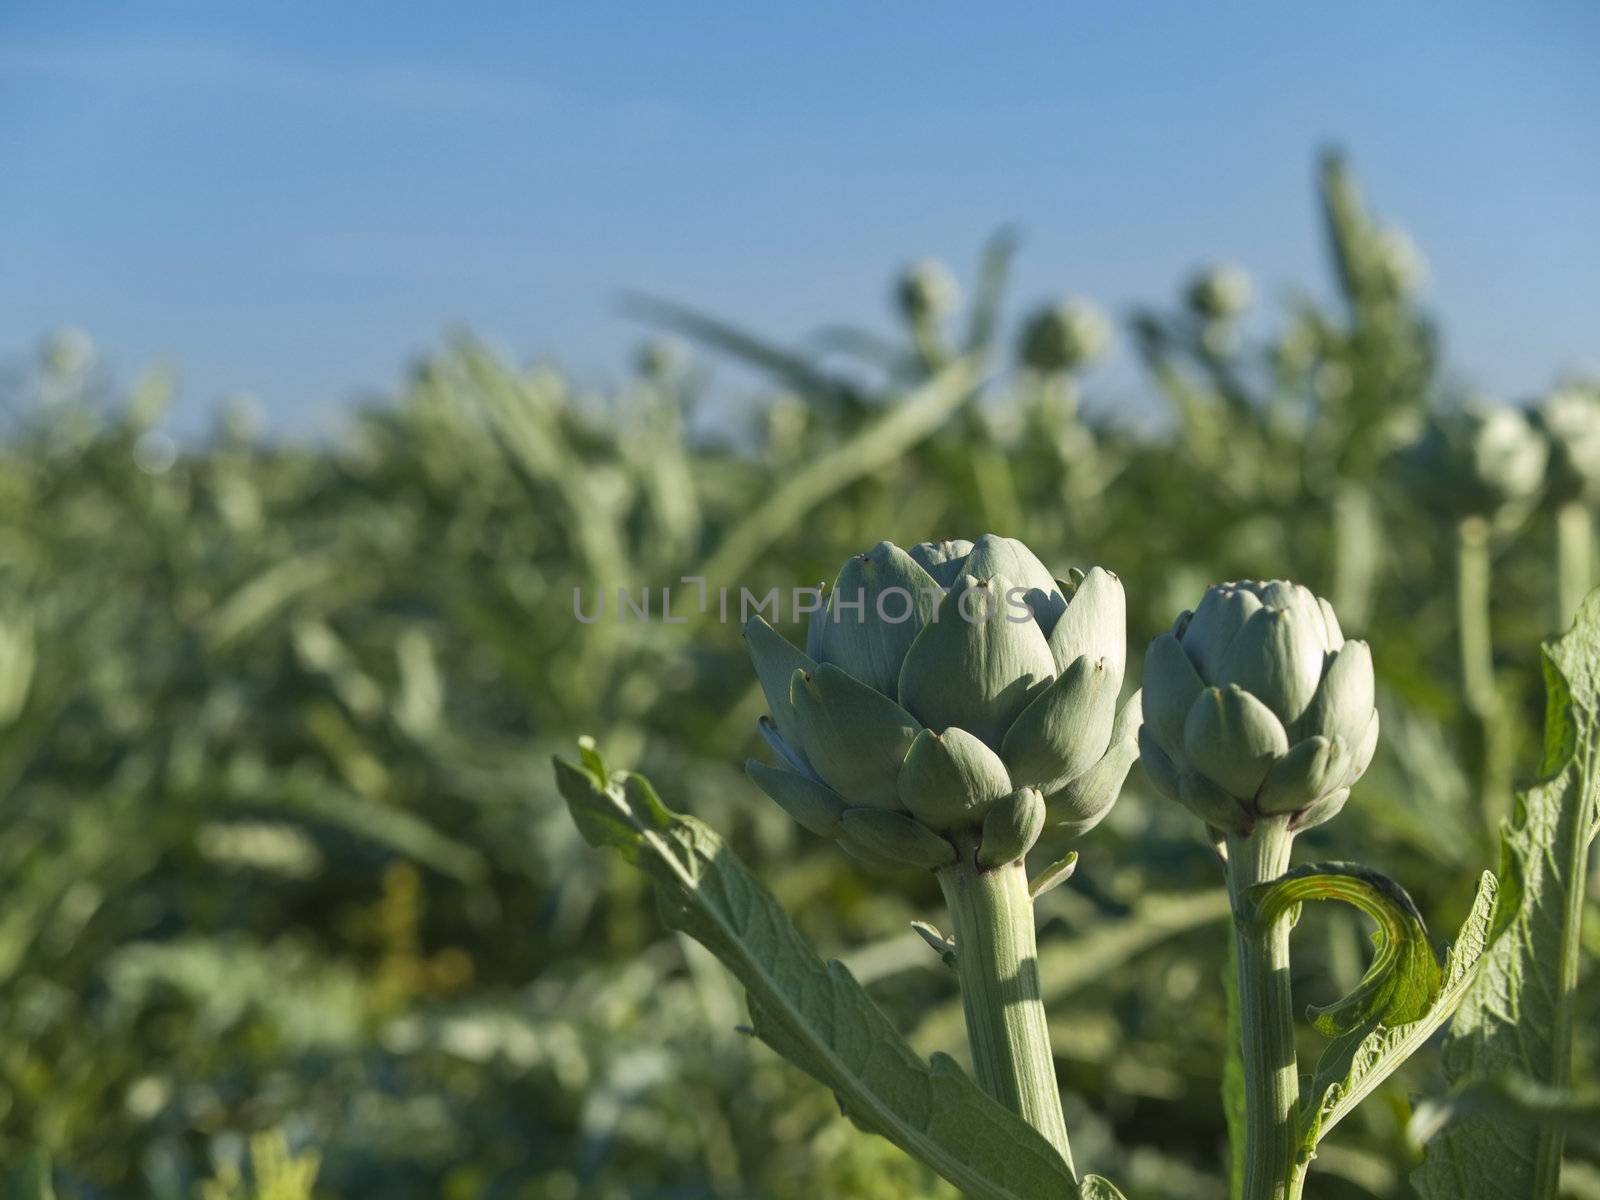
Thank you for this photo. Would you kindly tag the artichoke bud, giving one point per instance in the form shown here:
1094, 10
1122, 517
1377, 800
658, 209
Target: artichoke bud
1255, 704
1064, 337
939, 685
1477, 462
926, 291
1569, 418
1220, 293
662, 359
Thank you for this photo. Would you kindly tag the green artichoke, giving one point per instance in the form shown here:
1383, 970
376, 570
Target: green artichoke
662, 359
1220, 293
1064, 337
1476, 462
951, 695
1569, 418
1256, 705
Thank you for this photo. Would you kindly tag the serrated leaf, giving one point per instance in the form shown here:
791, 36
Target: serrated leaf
813, 1013
1404, 977
1512, 1098
1517, 1015
1353, 1066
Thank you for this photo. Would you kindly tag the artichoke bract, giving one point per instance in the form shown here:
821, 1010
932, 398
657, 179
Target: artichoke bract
950, 695
1255, 705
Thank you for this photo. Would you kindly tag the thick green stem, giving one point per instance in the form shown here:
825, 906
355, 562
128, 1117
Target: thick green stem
1574, 560
1357, 555
1266, 1019
1472, 614
1490, 732
997, 961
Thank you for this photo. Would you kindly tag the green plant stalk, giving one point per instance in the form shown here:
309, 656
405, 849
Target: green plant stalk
1062, 423
928, 337
994, 486
1490, 731
1057, 421
997, 961
1356, 557
1574, 560
1553, 1139
1266, 1018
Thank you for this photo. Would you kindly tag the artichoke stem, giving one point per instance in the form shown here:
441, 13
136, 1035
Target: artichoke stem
1357, 538
1574, 560
929, 340
1266, 1019
1489, 732
998, 965
997, 490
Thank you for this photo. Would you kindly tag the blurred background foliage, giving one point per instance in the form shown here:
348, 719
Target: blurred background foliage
290, 906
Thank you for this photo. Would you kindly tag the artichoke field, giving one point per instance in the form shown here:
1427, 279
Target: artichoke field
282, 856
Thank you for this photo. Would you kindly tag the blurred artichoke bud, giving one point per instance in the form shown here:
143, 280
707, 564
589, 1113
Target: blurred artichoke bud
1475, 462
955, 688
926, 291
1064, 337
1220, 293
1255, 705
1569, 418
661, 358
68, 352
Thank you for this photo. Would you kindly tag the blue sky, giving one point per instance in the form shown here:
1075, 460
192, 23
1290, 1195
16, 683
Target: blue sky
294, 199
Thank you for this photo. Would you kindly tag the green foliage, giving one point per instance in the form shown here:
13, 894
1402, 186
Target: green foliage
1403, 978
1517, 1100
281, 847
275, 1174
30, 1180
1518, 1016
1362, 1057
